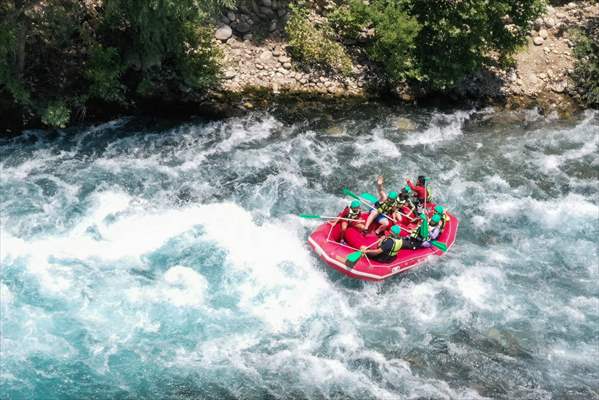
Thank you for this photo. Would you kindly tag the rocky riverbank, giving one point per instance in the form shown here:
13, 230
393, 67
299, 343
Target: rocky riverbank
256, 57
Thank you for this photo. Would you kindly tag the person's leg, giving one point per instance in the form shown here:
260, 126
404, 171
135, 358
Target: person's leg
373, 214
383, 225
343, 228
411, 244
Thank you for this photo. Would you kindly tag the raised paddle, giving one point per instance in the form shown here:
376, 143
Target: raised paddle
349, 193
372, 198
309, 216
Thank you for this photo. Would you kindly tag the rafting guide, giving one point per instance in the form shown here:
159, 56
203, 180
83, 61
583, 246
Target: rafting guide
376, 237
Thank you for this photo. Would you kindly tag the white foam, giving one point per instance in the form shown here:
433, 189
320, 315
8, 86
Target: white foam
374, 147
180, 286
442, 127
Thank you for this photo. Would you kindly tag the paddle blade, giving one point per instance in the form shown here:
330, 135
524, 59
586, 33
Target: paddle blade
371, 198
353, 258
349, 193
309, 216
440, 245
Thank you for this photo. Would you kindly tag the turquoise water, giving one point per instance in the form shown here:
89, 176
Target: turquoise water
163, 260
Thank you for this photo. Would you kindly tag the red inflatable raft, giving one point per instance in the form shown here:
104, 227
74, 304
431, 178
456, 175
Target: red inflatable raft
325, 241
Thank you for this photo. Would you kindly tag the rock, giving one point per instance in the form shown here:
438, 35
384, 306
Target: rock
230, 74
223, 33
266, 3
542, 76
543, 33
332, 89
287, 65
538, 24
281, 12
225, 20
277, 52
247, 36
273, 26
265, 56
242, 27
231, 15
538, 41
267, 11
284, 59
403, 124
560, 87
549, 22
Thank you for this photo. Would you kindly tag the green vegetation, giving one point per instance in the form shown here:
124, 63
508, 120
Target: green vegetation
586, 70
315, 45
437, 42
57, 56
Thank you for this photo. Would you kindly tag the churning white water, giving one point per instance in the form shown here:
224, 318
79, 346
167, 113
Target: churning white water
161, 260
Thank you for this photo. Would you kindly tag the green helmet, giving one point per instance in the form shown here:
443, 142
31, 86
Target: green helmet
393, 195
423, 216
436, 219
355, 204
396, 230
439, 209
407, 189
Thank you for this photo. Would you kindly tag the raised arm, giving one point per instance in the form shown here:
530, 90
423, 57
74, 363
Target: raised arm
380, 182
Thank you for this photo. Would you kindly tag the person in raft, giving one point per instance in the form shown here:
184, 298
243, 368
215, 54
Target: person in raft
439, 210
420, 190
388, 247
406, 207
352, 212
417, 240
387, 205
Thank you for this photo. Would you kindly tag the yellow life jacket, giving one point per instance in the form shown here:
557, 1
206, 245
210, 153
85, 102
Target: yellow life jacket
396, 247
386, 207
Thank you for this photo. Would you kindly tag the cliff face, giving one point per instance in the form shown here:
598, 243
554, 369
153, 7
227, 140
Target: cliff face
256, 56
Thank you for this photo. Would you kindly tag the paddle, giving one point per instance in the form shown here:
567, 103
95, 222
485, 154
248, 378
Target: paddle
352, 258
349, 193
440, 245
309, 216
373, 199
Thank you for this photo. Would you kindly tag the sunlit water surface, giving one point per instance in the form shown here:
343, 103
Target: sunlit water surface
163, 260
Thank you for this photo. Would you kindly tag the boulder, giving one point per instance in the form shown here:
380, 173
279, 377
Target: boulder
538, 41
543, 33
242, 27
223, 33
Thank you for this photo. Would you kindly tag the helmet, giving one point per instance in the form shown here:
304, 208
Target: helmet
422, 179
436, 219
407, 189
355, 204
439, 209
393, 195
422, 215
396, 230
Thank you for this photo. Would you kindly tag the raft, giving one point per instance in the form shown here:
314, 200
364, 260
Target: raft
325, 240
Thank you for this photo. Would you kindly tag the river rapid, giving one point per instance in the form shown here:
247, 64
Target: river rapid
165, 260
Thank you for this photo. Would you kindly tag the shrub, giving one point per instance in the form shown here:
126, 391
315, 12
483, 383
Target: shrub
104, 72
586, 70
56, 114
315, 46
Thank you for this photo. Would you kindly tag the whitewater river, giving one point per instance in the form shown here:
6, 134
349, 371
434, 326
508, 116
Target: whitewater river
164, 260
